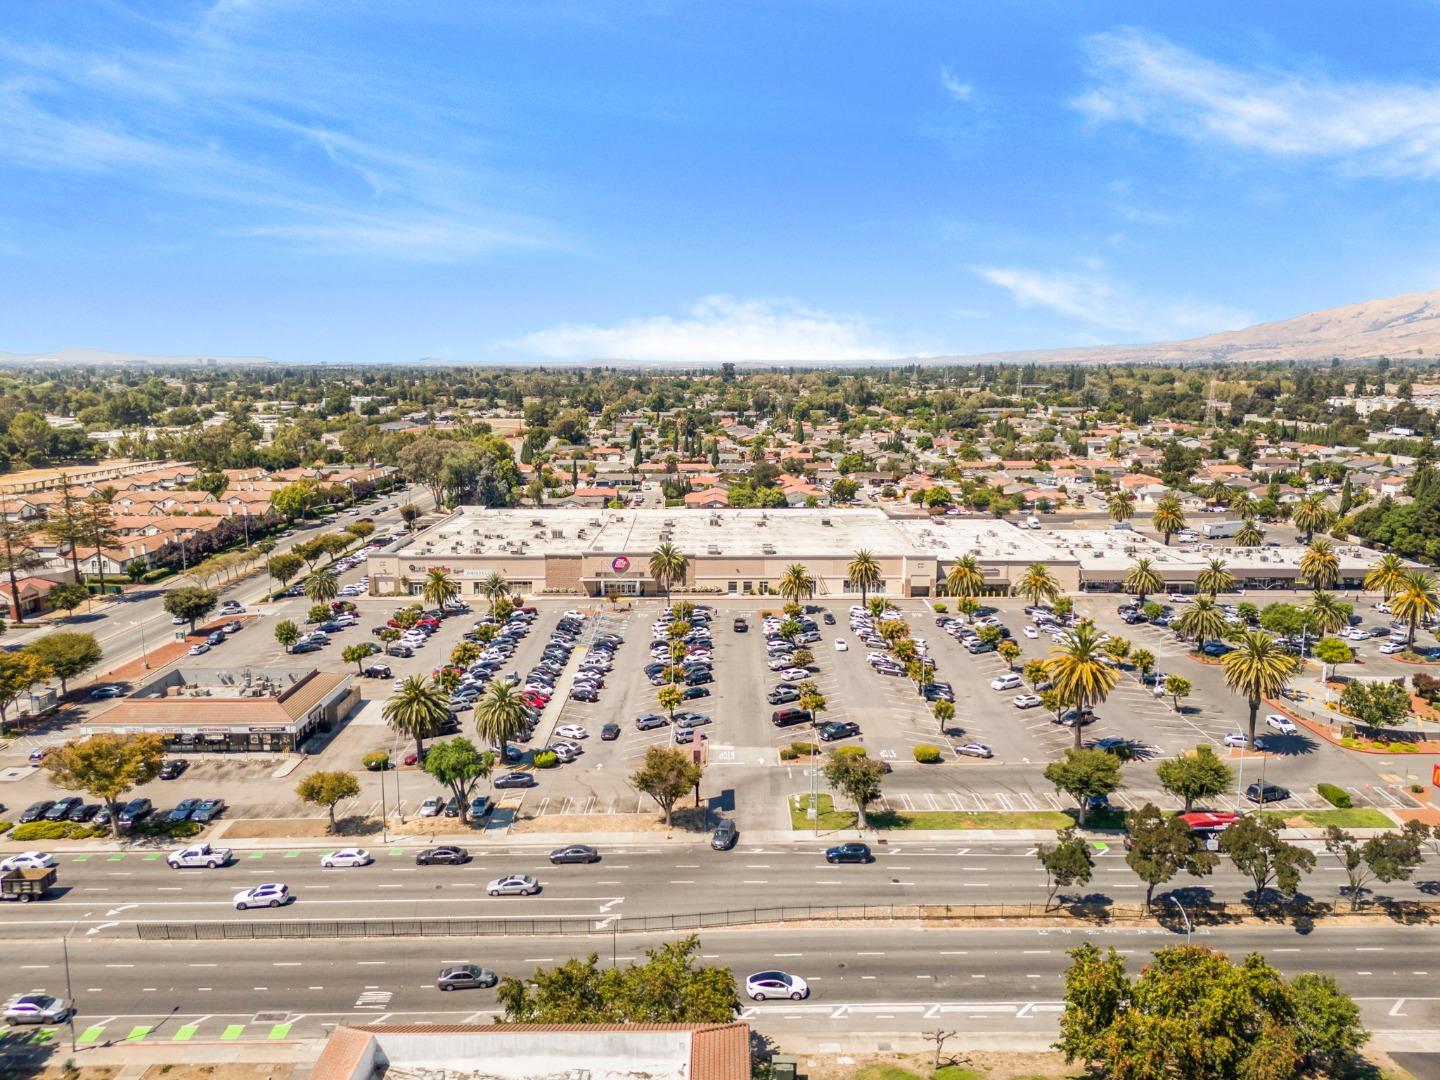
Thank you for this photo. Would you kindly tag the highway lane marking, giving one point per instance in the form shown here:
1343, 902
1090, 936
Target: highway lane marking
370, 963
285, 963
869, 954
780, 954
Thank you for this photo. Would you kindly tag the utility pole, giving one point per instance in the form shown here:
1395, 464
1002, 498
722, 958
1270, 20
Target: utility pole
1184, 915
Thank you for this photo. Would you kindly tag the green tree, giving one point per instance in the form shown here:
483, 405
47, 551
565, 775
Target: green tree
1085, 775
1193, 776
18, 556
1215, 578
439, 588
499, 716
1386, 576
417, 710
494, 588
1143, 661
1037, 584
287, 633
1120, 505
944, 712
68, 597
667, 566
1202, 621
1178, 687
1256, 668
409, 514
1386, 857
863, 571
107, 767
284, 567
1009, 652
1311, 515
1142, 579
1168, 518
327, 789
1035, 672
98, 521
1414, 601
190, 603
1319, 565
666, 775
1379, 704
1161, 846
1332, 652
1326, 1024
1253, 844
796, 584
322, 586
1250, 535
857, 778
668, 988
669, 697
1080, 678
355, 654
1066, 862
67, 655
458, 765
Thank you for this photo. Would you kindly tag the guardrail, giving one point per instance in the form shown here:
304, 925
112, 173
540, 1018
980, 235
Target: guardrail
1199, 913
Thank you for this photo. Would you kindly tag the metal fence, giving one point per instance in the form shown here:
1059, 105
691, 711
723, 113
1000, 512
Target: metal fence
1200, 914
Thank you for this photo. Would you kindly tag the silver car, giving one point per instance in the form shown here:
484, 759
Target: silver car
513, 885
37, 1009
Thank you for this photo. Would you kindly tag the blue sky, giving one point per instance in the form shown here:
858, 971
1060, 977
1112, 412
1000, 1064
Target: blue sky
505, 181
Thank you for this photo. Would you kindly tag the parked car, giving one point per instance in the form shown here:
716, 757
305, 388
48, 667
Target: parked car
838, 729
975, 750
208, 810
650, 721
134, 811
1025, 701
183, 809
1266, 793
173, 768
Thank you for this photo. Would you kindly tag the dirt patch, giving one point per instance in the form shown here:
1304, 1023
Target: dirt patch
955, 1064
88, 1072
304, 828
225, 1070
687, 820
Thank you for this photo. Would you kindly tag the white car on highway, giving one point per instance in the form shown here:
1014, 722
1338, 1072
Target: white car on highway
572, 731
27, 860
271, 895
513, 885
350, 856
776, 984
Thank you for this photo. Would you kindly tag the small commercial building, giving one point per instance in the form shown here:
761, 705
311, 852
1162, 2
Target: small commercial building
220, 710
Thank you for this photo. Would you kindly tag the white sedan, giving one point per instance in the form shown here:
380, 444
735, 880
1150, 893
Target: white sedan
1237, 738
272, 895
776, 984
1390, 648
1282, 724
350, 856
27, 860
572, 731
1030, 631
794, 674
513, 885
841, 645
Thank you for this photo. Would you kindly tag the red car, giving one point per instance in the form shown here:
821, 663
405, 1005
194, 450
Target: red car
532, 698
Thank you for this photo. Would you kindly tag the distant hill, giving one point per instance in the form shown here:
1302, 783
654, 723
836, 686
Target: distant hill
1401, 327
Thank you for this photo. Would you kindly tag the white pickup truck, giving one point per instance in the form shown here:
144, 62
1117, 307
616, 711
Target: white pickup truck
198, 855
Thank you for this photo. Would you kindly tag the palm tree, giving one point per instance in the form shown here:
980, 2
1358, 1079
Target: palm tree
1325, 613
1217, 491
1143, 578
1169, 517
417, 709
864, 571
1311, 515
1242, 503
1215, 578
1250, 534
1080, 678
964, 578
1121, 505
1386, 576
1203, 621
1415, 601
1037, 583
439, 587
322, 587
499, 715
667, 566
1257, 668
796, 583
494, 587
1320, 566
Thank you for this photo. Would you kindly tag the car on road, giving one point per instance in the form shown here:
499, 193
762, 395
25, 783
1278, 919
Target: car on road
197, 855
838, 729
200, 648
975, 750
27, 860
776, 984
857, 853
208, 810
444, 855
215, 637
572, 731
1283, 724
173, 768
270, 895
515, 780
465, 977
1025, 701
36, 1009
102, 693
179, 620
346, 857
1266, 793
1009, 681
575, 853
234, 626
725, 835
513, 885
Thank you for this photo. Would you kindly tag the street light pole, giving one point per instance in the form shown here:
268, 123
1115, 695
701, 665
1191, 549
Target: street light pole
69, 993
1184, 916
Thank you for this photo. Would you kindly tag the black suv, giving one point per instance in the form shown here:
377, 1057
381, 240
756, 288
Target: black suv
849, 853
725, 835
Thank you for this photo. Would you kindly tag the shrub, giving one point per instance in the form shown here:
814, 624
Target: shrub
787, 754
54, 830
4, 827
1417, 789
927, 755
849, 751
376, 761
176, 830
546, 759
1336, 797
804, 749
940, 609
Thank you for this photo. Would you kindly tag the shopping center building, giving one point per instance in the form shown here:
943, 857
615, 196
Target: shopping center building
584, 552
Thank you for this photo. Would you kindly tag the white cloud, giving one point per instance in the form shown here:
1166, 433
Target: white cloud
1092, 296
1369, 127
717, 328
956, 88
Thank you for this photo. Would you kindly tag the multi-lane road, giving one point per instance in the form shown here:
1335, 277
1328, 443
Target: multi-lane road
105, 895
999, 983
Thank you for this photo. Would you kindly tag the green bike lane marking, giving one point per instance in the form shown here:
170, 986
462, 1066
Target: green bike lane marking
117, 856
257, 854
279, 1031
152, 856
90, 1035
292, 854
81, 858
138, 1032
232, 1032
186, 1033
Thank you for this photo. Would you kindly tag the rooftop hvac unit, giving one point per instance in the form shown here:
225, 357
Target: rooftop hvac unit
557, 534
826, 521
537, 523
